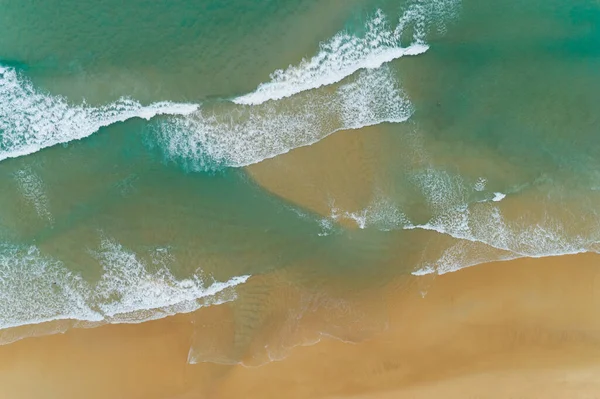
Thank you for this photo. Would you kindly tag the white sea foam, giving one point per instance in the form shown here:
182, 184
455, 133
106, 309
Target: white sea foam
498, 197
129, 292
424, 270
463, 254
381, 213
480, 184
240, 135
33, 190
484, 223
346, 53
31, 120
483, 233
36, 289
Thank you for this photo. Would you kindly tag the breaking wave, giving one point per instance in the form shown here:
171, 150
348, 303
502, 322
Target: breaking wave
339, 57
31, 120
35, 288
240, 135
346, 53
251, 130
469, 231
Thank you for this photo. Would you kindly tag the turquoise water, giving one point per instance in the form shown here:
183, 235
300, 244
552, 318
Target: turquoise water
166, 50
125, 130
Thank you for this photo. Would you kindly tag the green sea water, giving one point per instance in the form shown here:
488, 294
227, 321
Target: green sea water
125, 129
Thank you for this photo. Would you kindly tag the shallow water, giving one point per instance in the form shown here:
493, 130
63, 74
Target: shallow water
123, 196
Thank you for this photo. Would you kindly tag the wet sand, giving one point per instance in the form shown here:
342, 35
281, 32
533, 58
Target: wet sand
525, 328
338, 171
350, 170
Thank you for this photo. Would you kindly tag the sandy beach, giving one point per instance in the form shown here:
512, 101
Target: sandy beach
525, 328
337, 172
300, 199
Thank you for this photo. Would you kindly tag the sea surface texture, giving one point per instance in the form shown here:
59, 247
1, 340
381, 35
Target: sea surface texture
155, 157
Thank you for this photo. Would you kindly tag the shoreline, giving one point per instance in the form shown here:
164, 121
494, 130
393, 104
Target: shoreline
336, 172
524, 326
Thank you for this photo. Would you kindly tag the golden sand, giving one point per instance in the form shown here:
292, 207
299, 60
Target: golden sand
350, 170
523, 328
336, 172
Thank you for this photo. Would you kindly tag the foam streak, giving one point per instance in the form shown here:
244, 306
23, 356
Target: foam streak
31, 120
339, 57
36, 289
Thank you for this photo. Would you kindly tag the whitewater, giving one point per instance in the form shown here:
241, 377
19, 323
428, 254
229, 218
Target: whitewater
346, 85
35, 288
31, 120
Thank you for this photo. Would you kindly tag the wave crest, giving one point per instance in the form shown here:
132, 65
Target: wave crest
37, 289
31, 120
240, 135
346, 53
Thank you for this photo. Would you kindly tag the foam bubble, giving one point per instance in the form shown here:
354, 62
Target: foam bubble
424, 270
482, 233
36, 289
240, 135
485, 223
129, 292
480, 184
498, 197
31, 120
346, 53
381, 213
33, 190
462, 254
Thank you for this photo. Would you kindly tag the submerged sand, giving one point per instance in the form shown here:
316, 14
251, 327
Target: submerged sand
337, 172
525, 328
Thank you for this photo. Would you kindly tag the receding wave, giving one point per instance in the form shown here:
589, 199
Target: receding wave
239, 135
234, 135
32, 188
546, 232
221, 134
345, 53
473, 229
345, 87
35, 288
31, 120
340, 56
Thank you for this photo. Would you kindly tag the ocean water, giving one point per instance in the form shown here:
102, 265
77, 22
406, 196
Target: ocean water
126, 131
